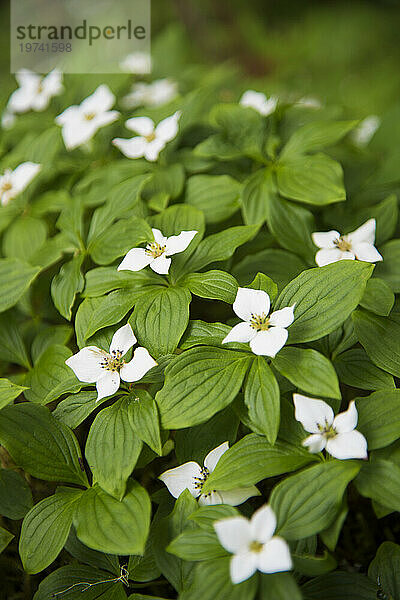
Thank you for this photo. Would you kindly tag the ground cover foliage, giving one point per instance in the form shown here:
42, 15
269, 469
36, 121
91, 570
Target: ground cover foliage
83, 509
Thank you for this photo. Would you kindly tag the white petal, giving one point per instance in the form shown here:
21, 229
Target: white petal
132, 148
137, 368
311, 412
72, 113
101, 100
135, 260
325, 239
179, 243
86, 364
167, 129
348, 445
283, 317
326, 257
161, 264
105, 118
263, 524
250, 302
365, 233
274, 557
213, 457
268, 343
234, 533
210, 499
52, 83
21, 100
137, 62
253, 99
27, 78
23, 175
182, 478
153, 149
315, 443
366, 252
243, 566
238, 495
107, 385
346, 421
242, 332
159, 237
123, 339
142, 125
76, 132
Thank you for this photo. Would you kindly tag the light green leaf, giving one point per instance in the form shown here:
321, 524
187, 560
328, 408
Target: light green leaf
324, 297
197, 544
281, 266
205, 516
378, 297
112, 526
316, 136
216, 285
279, 586
200, 333
291, 225
199, 383
9, 391
385, 568
15, 495
66, 284
15, 278
379, 480
265, 283
380, 337
143, 415
355, 368
12, 347
257, 193
262, 398
102, 280
389, 268
164, 180
55, 584
216, 195
24, 237
313, 565
379, 417
118, 239
49, 336
73, 410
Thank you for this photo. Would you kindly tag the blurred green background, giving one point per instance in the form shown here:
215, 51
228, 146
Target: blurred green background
342, 52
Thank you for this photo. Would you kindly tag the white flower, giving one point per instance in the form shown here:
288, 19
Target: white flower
309, 102
7, 119
106, 369
80, 122
337, 434
266, 334
34, 92
156, 254
151, 139
259, 101
356, 245
253, 544
192, 477
157, 93
137, 62
365, 131
14, 182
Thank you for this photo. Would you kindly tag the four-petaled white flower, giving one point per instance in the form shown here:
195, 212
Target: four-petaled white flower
106, 369
151, 139
365, 130
253, 544
157, 253
34, 93
138, 63
156, 93
14, 182
192, 476
337, 434
358, 244
259, 101
266, 334
80, 122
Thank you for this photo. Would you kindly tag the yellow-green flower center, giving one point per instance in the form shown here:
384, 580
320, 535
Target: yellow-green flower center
255, 546
259, 322
151, 137
200, 481
327, 431
342, 245
113, 361
155, 250
6, 187
90, 116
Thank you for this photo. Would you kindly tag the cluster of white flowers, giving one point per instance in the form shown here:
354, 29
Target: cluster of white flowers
14, 182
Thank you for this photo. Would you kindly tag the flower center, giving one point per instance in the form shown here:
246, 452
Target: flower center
113, 361
259, 322
200, 481
342, 244
255, 546
6, 187
89, 116
327, 430
155, 249
151, 137
40, 88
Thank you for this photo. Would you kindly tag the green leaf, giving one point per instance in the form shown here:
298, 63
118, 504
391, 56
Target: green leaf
355, 368
12, 347
220, 246
108, 562
9, 391
112, 448
168, 180
56, 584
143, 415
66, 284
279, 586
340, 586
324, 297
118, 239
15, 278
313, 565
160, 319
316, 136
379, 417
308, 370
265, 283
281, 266
5, 538
389, 268
380, 337
385, 569
252, 459
45, 529
216, 285
73, 410
199, 383
109, 525
259, 190
200, 333
51, 377
102, 280
216, 195
313, 179
197, 544
262, 398
15, 495
24, 237
205, 516
40, 445
379, 480
307, 502
48, 336
212, 582
378, 297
